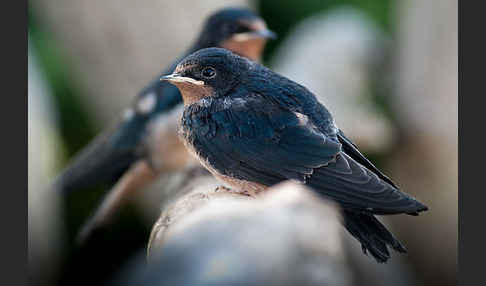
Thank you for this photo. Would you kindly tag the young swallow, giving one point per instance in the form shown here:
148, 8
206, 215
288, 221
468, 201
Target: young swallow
125, 154
253, 128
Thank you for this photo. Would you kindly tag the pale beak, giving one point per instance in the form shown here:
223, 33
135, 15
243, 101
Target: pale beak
261, 33
266, 33
175, 77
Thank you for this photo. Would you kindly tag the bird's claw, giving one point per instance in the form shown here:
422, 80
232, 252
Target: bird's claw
223, 188
234, 191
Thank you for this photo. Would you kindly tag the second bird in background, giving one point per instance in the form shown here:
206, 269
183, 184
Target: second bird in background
125, 154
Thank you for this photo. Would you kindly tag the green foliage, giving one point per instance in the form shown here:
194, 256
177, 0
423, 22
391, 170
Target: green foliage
283, 15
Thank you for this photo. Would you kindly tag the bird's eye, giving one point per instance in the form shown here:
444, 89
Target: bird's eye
208, 72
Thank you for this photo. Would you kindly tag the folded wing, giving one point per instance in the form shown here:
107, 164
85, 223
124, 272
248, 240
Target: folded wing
264, 142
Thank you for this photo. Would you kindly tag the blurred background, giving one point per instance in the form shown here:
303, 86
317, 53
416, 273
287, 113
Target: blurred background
386, 69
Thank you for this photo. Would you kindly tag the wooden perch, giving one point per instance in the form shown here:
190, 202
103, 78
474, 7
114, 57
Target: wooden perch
207, 235
284, 236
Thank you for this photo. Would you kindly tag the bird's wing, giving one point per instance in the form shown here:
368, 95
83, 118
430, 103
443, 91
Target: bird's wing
357, 188
105, 159
262, 142
352, 150
111, 153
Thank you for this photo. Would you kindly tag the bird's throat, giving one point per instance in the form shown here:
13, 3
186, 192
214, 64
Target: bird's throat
251, 48
192, 93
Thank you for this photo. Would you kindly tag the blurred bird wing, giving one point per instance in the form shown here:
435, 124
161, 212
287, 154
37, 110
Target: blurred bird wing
111, 153
105, 158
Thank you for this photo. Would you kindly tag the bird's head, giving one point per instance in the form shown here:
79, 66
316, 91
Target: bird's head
207, 72
238, 30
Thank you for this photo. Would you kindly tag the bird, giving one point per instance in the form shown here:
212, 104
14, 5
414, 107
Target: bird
253, 128
124, 156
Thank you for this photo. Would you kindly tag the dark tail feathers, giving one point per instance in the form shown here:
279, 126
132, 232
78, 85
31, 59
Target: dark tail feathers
372, 235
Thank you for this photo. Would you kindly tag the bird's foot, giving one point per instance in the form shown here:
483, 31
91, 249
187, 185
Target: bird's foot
223, 189
234, 191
